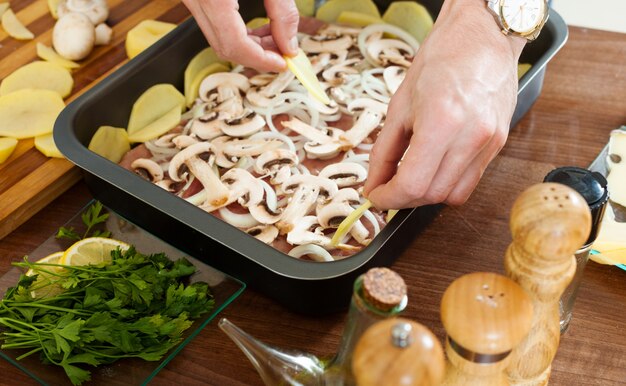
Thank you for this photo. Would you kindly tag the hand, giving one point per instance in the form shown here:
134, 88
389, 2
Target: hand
451, 115
262, 48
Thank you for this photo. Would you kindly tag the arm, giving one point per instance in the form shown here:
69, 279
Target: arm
263, 48
451, 115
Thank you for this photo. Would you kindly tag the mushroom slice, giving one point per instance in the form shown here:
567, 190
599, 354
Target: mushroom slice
362, 104
360, 233
166, 141
147, 169
307, 231
337, 74
307, 190
221, 159
345, 173
326, 43
394, 76
250, 147
183, 141
170, 186
270, 162
262, 213
227, 85
243, 187
262, 96
264, 233
386, 51
367, 122
336, 30
322, 151
207, 127
331, 214
177, 168
247, 124
308, 131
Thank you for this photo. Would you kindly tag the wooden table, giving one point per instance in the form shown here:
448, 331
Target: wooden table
584, 97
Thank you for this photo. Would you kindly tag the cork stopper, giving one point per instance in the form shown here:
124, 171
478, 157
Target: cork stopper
486, 314
398, 351
383, 288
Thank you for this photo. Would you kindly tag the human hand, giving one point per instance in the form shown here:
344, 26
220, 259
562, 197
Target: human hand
262, 48
451, 115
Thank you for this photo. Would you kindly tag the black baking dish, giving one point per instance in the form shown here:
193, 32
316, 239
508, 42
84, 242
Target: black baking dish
302, 286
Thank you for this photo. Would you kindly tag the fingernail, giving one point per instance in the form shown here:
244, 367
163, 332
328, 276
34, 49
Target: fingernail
293, 45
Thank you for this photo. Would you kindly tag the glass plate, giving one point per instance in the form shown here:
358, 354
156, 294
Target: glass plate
126, 371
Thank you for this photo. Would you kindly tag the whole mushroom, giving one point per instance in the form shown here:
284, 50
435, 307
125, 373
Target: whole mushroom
74, 36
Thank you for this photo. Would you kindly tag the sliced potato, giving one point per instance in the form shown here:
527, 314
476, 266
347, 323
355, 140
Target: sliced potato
45, 144
145, 34
7, 145
522, 69
192, 93
153, 104
39, 75
157, 128
330, 11
199, 63
358, 19
306, 7
53, 5
257, 22
411, 17
29, 113
50, 55
110, 142
302, 69
14, 27
3, 7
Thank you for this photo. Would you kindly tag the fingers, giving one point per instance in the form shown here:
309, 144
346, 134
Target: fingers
390, 145
284, 18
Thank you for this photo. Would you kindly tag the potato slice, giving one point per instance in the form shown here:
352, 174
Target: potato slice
145, 34
302, 69
411, 17
39, 75
3, 7
110, 142
257, 22
192, 93
306, 7
45, 144
49, 54
29, 113
14, 27
153, 104
7, 145
157, 128
358, 19
199, 63
522, 69
330, 11
53, 5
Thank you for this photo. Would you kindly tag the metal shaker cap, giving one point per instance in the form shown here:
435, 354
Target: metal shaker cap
592, 186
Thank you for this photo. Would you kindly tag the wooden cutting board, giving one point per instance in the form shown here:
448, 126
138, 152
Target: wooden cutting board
28, 180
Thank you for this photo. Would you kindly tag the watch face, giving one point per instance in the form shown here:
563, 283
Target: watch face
523, 16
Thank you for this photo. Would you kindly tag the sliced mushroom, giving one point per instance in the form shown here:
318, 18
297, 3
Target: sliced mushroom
332, 213
307, 190
221, 159
367, 122
394, 76
194, 158
243, 186
263, 214
166, 140
270, 162
262, 96
308, 131
307, 231
361, 104
264, 233
170, 185
387, 51
337, 74
183, 141
336, 30
207, 127
147, 169
247, 124
360, 233
322, 151
326, 43
227, 85
345, 173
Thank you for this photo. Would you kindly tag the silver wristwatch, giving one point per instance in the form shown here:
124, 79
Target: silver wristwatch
523, 18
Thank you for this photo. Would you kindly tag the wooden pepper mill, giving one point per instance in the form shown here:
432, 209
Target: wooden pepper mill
398, 352
485, 315
549, 222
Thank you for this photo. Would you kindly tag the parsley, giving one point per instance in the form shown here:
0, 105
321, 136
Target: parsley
92, 217
138, 306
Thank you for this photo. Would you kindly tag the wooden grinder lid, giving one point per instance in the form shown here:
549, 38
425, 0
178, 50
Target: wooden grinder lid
485, 314
383, 288
398, 351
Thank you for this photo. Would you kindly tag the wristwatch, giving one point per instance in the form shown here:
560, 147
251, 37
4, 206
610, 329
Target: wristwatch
523, 18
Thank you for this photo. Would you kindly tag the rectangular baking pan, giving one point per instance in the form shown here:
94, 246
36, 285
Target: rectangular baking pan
302, 286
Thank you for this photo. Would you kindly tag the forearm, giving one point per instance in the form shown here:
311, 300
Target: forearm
480, 22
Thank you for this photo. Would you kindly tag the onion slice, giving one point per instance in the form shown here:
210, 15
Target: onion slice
238, 220
315, 251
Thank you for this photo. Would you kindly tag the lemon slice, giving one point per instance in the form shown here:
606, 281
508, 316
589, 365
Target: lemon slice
43, 286
348, 223
92, 251
303, 70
